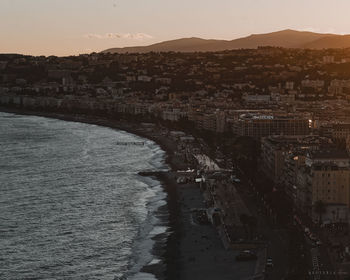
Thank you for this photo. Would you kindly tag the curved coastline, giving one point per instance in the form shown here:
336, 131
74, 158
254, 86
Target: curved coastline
127, 126
165, 269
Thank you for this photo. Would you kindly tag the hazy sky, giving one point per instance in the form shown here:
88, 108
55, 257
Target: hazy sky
63, 27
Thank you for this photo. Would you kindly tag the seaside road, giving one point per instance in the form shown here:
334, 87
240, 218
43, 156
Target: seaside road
277, 239
202, 253
277, 250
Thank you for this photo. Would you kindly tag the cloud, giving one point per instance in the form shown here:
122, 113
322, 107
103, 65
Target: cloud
135, 36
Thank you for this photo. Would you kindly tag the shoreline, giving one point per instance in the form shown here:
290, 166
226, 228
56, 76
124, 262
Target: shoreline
192, 250
166, 268
127, 126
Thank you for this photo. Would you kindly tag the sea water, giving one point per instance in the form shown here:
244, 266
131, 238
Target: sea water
72, 205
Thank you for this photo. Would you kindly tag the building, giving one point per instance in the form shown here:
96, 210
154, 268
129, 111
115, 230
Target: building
258, 126
339, 87
324, 177
255, 98
173, 114
341, 132
348, 144
282, 155
144, 78
289, 85
328, 59
291, 165
215, 122
273, 151
316, 84
330, 183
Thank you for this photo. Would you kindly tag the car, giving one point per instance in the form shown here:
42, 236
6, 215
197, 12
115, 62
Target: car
318, 242
312, 237
246, 256
269, 262
181, 180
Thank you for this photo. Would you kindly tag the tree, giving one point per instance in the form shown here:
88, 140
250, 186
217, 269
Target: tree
320, 208
244, 221
333, 213
252, 223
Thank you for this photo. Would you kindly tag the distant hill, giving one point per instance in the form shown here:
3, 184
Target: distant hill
285, 38
179, 45
333, 42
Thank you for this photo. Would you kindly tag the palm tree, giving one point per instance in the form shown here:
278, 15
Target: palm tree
244, 221
252, 224
320, 208
333, 213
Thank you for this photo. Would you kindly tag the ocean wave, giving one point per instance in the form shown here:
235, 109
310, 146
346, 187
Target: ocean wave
155, 224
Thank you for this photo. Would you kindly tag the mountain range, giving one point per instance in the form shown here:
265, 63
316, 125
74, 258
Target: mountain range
285, 38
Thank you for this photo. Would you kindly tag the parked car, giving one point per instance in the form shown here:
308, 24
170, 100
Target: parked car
235, 179
246, 256
312, 237
181, 180
269, 262
318, 242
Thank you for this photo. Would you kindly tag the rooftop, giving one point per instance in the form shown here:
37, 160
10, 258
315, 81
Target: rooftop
329, 154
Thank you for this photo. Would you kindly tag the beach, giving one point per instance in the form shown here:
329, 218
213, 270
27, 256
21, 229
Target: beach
191, 250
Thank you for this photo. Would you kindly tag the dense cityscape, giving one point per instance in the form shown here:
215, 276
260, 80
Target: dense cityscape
267, 131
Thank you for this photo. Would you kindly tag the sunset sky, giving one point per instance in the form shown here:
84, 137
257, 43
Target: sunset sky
65, 27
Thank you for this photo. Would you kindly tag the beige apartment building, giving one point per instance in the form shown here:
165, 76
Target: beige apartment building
324, 177
341, 131
330, 184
